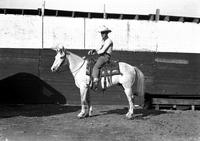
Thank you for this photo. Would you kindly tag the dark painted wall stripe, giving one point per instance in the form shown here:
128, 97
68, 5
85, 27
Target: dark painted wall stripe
25, 76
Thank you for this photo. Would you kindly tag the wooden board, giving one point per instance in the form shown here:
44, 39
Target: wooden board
167, 101
162, 77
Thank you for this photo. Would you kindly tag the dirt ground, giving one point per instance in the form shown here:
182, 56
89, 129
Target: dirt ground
108, 123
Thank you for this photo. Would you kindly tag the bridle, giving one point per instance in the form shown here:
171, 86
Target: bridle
74, 71
63, 57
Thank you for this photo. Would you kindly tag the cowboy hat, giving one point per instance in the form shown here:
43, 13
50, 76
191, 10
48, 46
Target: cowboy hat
104, 29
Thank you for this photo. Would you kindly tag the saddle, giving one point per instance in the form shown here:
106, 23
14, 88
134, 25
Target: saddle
109, 69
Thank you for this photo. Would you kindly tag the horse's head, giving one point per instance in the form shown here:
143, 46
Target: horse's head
59, 58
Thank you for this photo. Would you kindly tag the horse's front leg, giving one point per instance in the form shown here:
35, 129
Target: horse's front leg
89, 102
85, 102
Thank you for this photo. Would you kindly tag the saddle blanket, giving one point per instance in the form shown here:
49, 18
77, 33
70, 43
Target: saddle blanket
109, 69
106, 72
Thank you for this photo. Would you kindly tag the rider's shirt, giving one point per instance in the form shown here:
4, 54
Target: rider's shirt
106, 47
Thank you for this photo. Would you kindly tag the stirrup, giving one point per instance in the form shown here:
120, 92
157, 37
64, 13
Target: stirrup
95, 85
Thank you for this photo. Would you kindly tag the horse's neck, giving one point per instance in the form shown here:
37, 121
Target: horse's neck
75, 62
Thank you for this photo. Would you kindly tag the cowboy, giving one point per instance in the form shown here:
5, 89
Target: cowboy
104, 53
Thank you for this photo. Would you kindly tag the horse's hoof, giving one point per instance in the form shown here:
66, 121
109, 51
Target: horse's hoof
81, 116
129, 116
90, 113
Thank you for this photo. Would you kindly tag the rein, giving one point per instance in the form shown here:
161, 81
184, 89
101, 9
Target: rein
74, 71
79, 67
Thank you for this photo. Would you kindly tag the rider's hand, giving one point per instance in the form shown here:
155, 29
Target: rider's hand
92, 52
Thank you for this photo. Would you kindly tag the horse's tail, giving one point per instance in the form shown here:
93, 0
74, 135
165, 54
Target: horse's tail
140, 85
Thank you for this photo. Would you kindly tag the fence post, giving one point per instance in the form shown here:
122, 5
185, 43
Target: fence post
84, 34
157, 15
104, 11
42, 14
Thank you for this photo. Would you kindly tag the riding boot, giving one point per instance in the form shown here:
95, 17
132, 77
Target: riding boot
95, 83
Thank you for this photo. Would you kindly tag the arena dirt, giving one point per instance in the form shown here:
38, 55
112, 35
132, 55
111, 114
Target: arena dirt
108, 123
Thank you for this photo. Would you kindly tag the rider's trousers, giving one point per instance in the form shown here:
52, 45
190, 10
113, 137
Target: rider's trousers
100, 62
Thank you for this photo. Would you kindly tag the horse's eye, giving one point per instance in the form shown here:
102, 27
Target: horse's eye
62, 57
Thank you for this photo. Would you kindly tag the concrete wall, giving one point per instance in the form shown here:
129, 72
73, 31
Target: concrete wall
18, 31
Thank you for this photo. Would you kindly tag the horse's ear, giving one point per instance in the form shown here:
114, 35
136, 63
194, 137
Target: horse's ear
58, 47
63, 49
54, 48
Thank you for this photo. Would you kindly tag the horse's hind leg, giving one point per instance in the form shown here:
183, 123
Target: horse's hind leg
129, 94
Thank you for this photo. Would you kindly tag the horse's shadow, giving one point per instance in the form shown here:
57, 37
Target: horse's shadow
138, 113
35, 110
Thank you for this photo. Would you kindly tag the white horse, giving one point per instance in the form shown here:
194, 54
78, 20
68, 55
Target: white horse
77, 66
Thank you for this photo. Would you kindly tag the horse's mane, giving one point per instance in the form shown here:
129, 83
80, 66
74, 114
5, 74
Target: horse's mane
74, 59
74, 55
